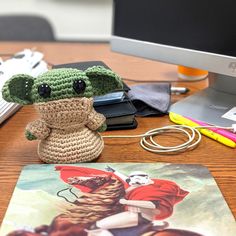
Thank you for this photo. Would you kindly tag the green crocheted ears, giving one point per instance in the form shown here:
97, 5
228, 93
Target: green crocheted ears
60, 84
103, 80
18, 89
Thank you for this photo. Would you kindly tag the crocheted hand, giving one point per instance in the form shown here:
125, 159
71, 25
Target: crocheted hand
96, 121
102, 128
37, 130
29, 136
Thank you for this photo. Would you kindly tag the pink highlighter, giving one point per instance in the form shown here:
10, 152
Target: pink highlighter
222, 132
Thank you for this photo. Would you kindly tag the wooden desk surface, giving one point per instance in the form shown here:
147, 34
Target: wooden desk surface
16, 151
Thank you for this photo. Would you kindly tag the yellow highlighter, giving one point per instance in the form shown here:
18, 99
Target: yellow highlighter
181, 120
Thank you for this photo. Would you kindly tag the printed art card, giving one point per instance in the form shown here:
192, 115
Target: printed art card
111, 199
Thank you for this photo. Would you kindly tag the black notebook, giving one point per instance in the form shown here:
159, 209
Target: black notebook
119, 113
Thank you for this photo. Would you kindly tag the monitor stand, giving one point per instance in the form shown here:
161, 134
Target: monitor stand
214, 105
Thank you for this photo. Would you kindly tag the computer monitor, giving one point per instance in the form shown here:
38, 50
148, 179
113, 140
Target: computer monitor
199, 34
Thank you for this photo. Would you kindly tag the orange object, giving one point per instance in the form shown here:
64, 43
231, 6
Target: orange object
188, 73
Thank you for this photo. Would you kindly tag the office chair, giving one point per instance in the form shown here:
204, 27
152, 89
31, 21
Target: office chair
25, 28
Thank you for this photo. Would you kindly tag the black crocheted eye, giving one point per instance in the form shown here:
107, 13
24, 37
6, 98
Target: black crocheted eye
79, 86
44, 90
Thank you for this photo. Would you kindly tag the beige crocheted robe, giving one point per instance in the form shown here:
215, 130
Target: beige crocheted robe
67, 130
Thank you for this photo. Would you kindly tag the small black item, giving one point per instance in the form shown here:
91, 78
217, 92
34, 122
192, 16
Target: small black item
79, 86
19, 56
44, 90
35, 65
123, 126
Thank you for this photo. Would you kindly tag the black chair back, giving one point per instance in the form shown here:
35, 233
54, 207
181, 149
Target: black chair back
25, 28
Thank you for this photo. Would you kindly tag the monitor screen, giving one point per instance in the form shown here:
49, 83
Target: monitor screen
206, 27
200, 25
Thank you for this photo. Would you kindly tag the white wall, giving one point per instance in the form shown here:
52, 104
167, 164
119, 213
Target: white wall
71, 19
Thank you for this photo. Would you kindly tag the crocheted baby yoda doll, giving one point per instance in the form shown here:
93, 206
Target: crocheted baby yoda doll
68, 126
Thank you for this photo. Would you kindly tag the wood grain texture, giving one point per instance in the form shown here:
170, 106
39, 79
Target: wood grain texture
16, 151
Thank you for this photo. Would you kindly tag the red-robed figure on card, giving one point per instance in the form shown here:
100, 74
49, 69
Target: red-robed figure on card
146, 199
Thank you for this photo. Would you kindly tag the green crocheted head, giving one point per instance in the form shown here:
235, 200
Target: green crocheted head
60, 84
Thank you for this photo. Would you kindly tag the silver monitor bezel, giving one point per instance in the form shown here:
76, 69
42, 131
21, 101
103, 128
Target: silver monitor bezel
212, 62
